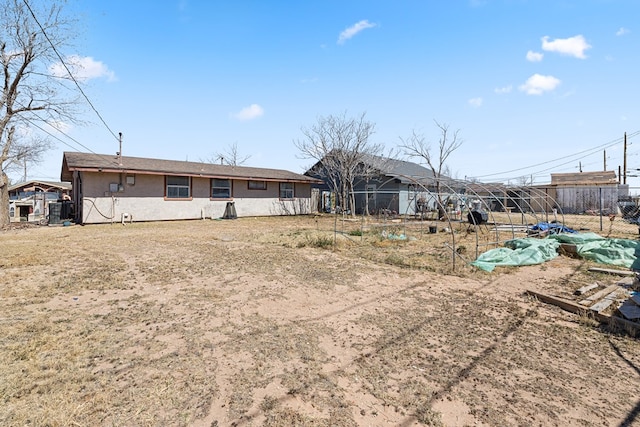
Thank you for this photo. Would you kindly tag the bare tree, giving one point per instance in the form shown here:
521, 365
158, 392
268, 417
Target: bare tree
339, 145
24, 151
524, 180
231, 156
417, 146
30, 92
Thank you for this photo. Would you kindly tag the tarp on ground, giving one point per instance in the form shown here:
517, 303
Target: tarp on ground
517, 252
552, 228
591, 246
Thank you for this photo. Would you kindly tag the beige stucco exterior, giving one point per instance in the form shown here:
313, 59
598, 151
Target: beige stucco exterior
141, 197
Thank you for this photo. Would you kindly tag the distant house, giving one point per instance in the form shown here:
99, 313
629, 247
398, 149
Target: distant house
390, 185
569, 193
499, 197
109, 188
580, 192
30, 200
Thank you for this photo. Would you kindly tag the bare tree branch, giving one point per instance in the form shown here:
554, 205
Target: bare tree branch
231, 156
416, 146
30, 93
339, 144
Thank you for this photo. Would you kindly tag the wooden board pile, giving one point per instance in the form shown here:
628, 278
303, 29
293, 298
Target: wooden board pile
617, 304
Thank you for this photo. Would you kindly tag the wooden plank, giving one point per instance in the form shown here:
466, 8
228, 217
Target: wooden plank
598, 295
586, 288
613, 321
564, 304
507, 227
626, 281
610, 271
604, 302
569, 250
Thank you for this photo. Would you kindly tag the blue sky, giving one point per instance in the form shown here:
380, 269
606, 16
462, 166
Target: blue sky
527, 82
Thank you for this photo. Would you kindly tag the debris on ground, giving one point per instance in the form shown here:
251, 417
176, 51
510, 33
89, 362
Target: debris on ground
617, 305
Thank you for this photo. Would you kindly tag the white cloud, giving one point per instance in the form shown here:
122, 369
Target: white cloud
61, 126
622, 31
82, 68
572, 46
504, 89
354, 29
251, 112
538, 84
475, 102
534, 56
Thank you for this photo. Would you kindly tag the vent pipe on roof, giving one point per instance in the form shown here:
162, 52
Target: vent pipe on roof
120, 152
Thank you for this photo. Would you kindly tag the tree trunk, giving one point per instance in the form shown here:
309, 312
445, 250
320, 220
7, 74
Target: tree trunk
4, 199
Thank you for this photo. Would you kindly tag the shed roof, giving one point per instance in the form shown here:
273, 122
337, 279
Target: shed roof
45, 185
584, 178
74, 161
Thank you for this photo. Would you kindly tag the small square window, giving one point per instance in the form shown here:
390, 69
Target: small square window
287, 190
178, 187
220, 188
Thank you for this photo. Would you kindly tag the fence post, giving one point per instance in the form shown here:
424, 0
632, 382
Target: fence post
600, 204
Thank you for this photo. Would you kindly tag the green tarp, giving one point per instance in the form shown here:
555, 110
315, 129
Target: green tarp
527, 251
591, 246
619, 252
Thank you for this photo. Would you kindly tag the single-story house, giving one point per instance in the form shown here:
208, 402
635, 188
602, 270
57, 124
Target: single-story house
113, 188
392, 185
30, 200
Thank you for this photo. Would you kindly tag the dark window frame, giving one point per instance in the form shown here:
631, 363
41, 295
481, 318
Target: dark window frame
170, 188
216, 190
263, 185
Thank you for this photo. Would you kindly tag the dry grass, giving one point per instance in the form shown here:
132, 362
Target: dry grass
282, 321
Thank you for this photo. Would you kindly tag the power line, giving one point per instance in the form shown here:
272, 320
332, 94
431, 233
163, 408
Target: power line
35, 124
69, 71
589, 152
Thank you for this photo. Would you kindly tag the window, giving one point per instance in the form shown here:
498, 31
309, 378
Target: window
220, 188
178, 187
257, 185
286, 190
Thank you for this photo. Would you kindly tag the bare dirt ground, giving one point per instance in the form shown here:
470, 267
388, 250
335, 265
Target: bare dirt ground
263, 322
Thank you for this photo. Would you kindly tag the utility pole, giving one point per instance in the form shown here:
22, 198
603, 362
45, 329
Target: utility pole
605, 159
624, 171
619, 175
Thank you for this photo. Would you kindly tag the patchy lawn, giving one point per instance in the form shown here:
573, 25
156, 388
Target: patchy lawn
263, 322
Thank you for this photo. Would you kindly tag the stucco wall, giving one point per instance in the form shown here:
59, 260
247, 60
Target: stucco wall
145, 201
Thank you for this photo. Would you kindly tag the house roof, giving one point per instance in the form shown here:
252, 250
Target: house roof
45, 185
401, 169
485, 188
404, 171
89, 162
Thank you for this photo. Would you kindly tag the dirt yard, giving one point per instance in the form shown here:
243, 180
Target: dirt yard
264, 322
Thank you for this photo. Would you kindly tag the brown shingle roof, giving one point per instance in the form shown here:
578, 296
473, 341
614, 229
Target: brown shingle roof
73, 161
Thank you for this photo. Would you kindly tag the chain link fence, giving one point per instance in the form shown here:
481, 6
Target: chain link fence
446, 231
